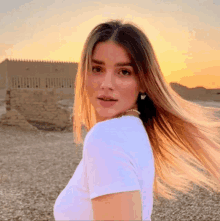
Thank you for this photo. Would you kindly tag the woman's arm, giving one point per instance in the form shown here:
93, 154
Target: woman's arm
118, 206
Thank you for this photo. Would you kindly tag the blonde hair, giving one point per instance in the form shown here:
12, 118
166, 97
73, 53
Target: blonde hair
183, 135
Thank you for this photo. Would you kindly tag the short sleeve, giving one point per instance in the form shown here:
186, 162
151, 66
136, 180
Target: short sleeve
108, 168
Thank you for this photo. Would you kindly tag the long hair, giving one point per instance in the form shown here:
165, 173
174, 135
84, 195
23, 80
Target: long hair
183, 135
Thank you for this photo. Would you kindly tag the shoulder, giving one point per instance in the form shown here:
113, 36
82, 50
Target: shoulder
119, 125
106, 133
122, 127
109, 127
116, 133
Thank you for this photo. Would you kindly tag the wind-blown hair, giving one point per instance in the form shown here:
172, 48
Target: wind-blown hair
183, 135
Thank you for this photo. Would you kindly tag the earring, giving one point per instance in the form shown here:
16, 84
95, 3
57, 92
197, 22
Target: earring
143, 96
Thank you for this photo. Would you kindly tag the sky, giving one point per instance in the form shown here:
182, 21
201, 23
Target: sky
184, 33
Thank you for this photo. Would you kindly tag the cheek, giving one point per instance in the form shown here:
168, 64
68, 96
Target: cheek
91, 86
92, 82
129, 91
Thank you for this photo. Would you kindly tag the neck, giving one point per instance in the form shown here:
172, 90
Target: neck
130, 112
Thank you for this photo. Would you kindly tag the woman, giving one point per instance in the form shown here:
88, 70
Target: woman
145, 141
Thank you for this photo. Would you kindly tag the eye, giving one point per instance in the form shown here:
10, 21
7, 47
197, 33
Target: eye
96, 67
124, 71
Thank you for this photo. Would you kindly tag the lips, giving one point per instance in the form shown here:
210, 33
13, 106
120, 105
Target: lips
103, 97
107, 104
107, 99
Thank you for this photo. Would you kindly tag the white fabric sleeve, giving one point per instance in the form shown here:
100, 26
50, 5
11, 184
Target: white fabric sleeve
108, 168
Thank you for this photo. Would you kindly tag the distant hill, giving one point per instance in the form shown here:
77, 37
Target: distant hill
197, 93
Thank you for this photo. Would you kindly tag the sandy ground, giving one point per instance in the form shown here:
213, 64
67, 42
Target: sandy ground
36, 166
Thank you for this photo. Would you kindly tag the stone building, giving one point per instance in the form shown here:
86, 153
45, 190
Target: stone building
32, 89
28, 74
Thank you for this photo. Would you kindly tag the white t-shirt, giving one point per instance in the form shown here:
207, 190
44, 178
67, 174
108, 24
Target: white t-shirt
117, 157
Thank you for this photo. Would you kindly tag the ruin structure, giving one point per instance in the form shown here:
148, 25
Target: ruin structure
31, 91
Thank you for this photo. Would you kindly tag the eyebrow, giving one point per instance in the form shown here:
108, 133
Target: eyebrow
118, 64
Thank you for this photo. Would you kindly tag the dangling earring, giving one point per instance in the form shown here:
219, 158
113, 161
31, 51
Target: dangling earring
143, 96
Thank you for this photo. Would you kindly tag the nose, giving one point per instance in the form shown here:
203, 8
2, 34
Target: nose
107, 80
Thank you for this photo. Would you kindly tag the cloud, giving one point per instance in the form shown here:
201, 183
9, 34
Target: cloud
208, 35
6, 51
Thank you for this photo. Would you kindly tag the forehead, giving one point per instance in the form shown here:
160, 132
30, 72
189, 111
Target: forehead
109, 51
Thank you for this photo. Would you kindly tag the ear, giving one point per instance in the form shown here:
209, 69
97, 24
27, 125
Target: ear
142, 91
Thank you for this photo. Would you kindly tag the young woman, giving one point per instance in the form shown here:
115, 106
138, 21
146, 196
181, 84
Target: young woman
143, 141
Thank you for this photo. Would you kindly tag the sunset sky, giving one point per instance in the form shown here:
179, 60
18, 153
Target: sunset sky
184, 33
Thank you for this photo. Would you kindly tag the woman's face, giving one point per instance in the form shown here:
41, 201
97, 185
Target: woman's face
110, 78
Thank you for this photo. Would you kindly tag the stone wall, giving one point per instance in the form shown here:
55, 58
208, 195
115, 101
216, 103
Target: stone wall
3, 73
31, 109
37, 74
2, 94
31, 91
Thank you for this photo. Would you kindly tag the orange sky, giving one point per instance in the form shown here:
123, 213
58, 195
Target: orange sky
185, 37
